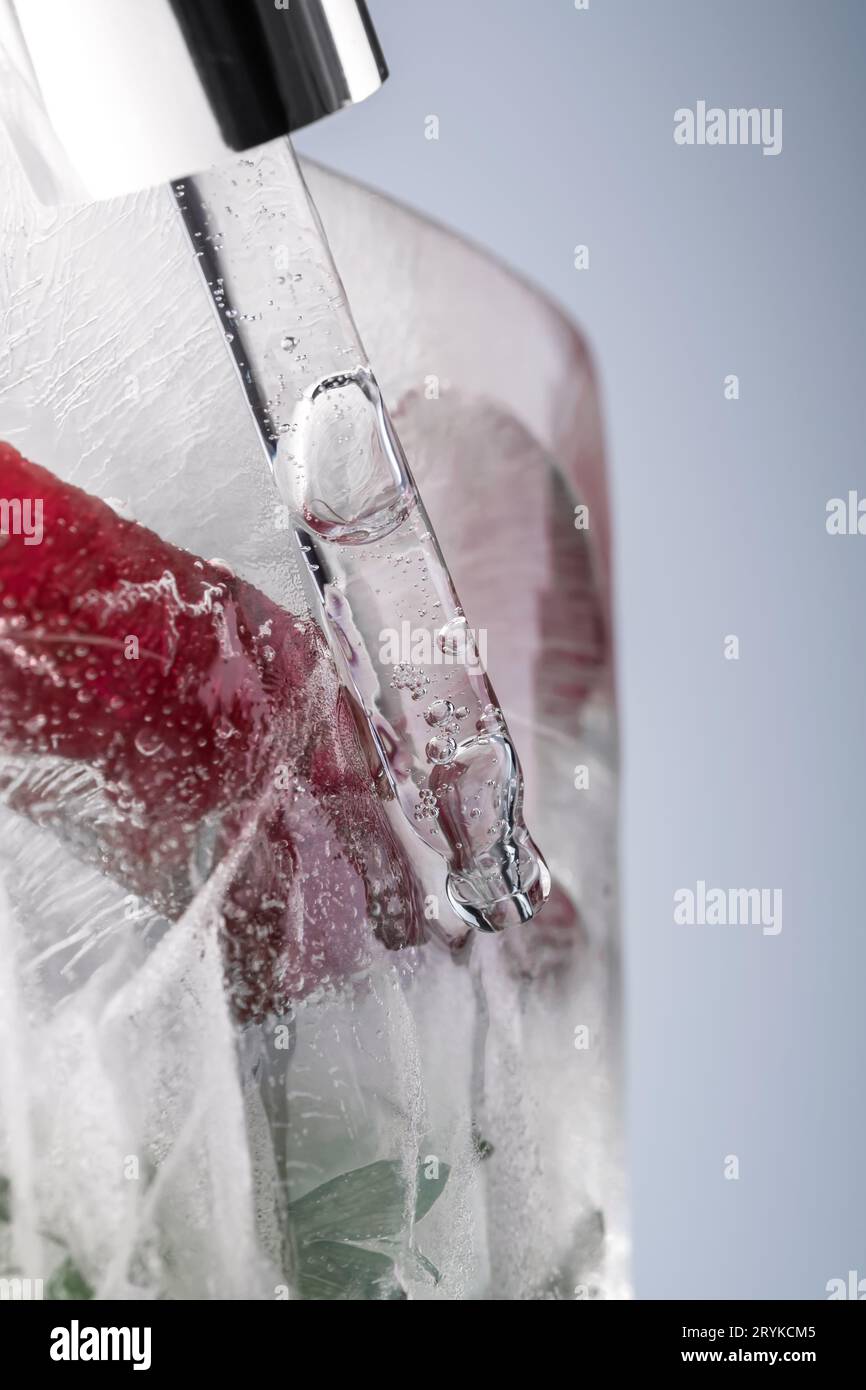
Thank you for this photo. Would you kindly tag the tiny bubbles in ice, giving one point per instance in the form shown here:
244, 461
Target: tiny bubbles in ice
426, 808
454, 639
438, 711
147, 742
491, 720
441, 748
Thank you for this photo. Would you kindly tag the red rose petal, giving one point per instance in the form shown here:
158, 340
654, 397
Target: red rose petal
207, 718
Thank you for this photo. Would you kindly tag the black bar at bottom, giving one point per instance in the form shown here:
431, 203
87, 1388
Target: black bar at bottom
250, 1340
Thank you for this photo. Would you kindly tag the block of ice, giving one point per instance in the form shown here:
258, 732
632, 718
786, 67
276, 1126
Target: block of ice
463, 1100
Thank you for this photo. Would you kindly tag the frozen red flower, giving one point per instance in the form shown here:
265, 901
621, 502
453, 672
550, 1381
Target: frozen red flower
165, 717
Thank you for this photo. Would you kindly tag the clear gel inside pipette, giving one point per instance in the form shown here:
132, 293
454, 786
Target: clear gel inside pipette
403, 645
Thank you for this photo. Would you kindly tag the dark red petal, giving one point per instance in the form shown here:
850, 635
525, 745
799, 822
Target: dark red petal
208, 721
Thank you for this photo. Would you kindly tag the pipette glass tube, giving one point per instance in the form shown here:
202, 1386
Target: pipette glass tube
373, 567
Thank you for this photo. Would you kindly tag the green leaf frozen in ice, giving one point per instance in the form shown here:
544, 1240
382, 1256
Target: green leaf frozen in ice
333, 1269
67, 1282
429, 1188
366, 1203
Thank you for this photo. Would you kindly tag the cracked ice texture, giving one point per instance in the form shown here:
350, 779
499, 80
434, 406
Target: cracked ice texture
115, 1031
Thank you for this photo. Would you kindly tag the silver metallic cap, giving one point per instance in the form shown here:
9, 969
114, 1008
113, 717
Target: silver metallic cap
146, 91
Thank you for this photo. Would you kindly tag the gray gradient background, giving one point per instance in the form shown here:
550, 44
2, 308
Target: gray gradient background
556, 128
